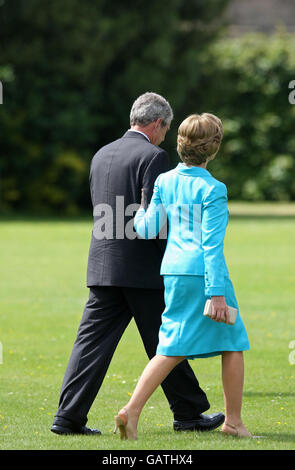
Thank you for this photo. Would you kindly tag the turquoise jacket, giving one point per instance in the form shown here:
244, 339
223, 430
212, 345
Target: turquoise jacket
195, 205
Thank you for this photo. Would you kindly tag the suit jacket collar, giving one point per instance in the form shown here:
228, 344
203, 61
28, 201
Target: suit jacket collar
135, 135
191, 170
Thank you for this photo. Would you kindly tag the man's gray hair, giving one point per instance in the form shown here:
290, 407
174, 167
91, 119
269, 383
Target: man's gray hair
148, 108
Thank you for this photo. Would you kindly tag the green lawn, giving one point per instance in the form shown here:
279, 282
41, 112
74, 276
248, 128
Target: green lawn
43, 271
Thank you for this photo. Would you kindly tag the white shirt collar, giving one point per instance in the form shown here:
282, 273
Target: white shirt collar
133, 130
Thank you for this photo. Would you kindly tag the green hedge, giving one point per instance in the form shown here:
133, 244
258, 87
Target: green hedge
73, 70
246, 82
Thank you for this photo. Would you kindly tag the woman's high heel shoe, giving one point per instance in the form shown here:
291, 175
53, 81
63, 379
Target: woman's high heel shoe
121, 422
238, 431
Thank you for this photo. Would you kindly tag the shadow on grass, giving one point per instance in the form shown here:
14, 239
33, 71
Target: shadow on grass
279, 436
267, 436
272, 436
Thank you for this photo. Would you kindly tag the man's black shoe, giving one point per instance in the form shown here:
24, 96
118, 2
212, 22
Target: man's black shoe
65, 426
202, 423
64, 430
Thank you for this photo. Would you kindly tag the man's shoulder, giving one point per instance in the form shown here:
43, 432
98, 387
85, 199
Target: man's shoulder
142, 146
147, 149
108, 147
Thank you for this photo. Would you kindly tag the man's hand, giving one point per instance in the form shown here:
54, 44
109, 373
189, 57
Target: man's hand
220, 311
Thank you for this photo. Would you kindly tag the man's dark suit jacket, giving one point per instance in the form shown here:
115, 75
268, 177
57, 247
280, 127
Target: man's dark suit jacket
122, 168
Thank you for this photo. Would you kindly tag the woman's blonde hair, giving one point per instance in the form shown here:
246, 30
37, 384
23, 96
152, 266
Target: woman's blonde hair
199, 138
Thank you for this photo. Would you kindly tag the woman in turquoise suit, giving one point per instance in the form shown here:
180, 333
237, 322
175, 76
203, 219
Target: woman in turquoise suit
194, 270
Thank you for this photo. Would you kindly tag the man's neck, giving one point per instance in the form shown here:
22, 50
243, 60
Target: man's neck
143, 130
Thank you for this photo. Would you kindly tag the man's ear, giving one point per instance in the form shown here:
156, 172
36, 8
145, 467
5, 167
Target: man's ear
158, 123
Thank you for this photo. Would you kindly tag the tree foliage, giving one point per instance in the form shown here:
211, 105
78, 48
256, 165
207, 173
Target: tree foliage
247, 83
71, 71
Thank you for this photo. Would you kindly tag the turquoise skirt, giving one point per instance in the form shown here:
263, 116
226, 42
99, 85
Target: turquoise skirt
185, 331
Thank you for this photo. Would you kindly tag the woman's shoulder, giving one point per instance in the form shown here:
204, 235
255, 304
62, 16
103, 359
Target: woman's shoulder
214, 188
167, 175
217, 183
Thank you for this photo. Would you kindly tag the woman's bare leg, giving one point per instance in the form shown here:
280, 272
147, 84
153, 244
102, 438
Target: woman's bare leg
233, 382
153, 375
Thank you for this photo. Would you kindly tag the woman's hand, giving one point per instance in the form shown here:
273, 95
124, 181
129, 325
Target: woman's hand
220, 311
142, 202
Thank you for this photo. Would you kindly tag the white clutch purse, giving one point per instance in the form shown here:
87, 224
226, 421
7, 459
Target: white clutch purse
232, 312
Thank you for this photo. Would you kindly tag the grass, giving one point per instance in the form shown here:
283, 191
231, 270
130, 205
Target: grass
42, 295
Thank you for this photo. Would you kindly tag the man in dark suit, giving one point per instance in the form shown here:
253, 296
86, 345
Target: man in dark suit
123, 276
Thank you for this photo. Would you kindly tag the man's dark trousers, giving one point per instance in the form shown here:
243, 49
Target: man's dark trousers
106, 315
123, 275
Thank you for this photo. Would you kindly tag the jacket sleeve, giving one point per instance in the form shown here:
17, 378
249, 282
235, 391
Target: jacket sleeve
159, 164
214, 222
149, 223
